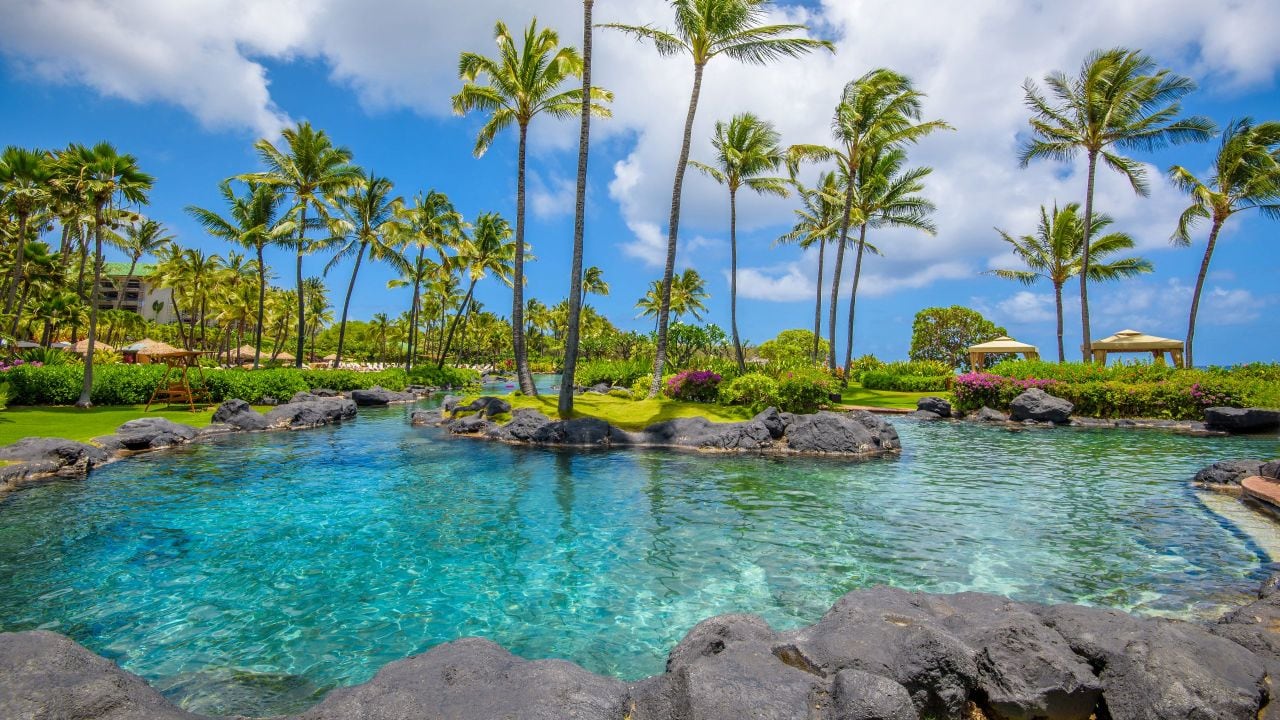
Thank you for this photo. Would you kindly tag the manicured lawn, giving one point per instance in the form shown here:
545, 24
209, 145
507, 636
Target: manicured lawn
633, 414
855, 394
82, 425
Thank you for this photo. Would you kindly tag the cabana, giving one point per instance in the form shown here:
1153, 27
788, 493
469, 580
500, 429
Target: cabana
1132, 341
144, 350
1001, 345
244, 354
82, 347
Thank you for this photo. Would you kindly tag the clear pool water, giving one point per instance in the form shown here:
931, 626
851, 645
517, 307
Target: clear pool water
252, 574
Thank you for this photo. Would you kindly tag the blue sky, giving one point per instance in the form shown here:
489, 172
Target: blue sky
189, 91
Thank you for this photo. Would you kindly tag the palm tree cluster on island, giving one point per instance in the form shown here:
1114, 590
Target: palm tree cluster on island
310, 197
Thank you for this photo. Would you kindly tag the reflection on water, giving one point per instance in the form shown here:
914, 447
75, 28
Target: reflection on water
253, 574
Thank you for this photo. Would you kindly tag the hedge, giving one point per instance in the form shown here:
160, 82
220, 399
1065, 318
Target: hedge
880, 380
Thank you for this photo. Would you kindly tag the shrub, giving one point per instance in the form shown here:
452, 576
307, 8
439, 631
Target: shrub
863, 364
620, 393
254, 385
755, 390
973, 390
47, 356
614, 372
4, 395
640, 388
694, 386
803, 390
45, 385
792, 348
916, 368
432, 376
880, 380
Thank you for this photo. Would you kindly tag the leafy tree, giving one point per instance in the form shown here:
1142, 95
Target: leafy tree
688, 341
1119, 100
792, 348
523, 82
704, 30
1246, 175
312, 170
746, 148
24, 189
945, 334
1056, 253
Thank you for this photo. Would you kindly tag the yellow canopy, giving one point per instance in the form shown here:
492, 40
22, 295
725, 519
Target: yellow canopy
1134, 341
1003, 344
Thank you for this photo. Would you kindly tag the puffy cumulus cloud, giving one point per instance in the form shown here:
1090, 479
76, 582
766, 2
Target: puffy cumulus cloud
788, 283
1026, 307
553, 196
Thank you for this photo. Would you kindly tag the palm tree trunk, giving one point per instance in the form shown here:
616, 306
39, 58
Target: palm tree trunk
302, 304
86, 388
177, 311
673, 233
342, 326
448, 340
1189, 360
1057, 298
1086, 346
853, 298
262, 305
133, 264
817, 304
564, 403
19, 251
733, 278
524, 377
835, 280
84, 259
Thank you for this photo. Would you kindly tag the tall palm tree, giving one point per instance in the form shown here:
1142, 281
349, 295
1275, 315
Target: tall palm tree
593, 283
253, 220
1246, 175
1119, 100
420, 273
746, 148
564, 402
106, 178
310, 170
366, 221
431, 221
878, 110
688, 293
490, 250
817, 223
380, 325
24, 187
140, 239
886, 198
523, 82
704, 30
319, 311
1056, 253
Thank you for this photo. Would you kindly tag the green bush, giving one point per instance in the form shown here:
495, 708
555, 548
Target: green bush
614, 372
803, 390
881, 380
5, 394
253, 386
48, 385
620, 393
916, 368
755, 390
862, 364
432, 376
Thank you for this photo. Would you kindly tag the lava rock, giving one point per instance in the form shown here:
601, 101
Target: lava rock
469, 425
485, 405
152, 433
1241, 420
924, 415
475, 679
1226, 473
239, 414
856, 433
33, 458
987, 414
303, 396
935, 405
47, 675
376, 396
325, 392
422, 417
858, 695
578, 432
1270, 470
1036, 404
523, 427
313, 413
601, 388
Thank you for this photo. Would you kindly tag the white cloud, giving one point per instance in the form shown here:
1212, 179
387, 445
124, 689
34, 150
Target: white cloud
553, 196
791, 285
1027, 307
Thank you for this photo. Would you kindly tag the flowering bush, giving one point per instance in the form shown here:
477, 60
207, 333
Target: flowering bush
755, 390
804, 389
18, 362
694, 386
973, 390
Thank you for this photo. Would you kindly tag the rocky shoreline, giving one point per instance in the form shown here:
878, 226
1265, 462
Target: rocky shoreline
855, 434
877, 654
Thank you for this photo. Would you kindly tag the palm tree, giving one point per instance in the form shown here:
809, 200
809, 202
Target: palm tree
704, 30
886, 197
367, 221
1120, 100
818, 223
421, 272
490, 249
688, 291
430, 222
1056, 253
253, 221
523, 82
24, 187
564, 403
593, 282
142, 238
746, 148
319, 311
379, 326
1246, 175
104, 176
878, 110
311, 171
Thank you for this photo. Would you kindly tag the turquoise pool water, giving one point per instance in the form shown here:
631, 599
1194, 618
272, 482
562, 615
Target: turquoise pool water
252, 574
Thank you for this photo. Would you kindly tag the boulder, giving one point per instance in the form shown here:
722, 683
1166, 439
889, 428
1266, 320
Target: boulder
1227, 473
469, 425
239, 414
423, 417
577, 432
46, 675
303, 396
601, 388
935, 405
1270, 470
924, 415
1241, 420
484, 405
38, 457
987, 414
525, 424
325, 392
1036, 404
856, 433
859, 695
313, 413
152, 433
701, 433
377, 396
475, 679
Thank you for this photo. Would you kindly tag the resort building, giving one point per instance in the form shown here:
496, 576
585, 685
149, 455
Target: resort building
141, 293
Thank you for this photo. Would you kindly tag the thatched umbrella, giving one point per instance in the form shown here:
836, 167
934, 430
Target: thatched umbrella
286, 357
82, 347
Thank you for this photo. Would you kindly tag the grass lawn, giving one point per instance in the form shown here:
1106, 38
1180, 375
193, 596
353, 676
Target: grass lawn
632, 414
855, 394
75, 424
